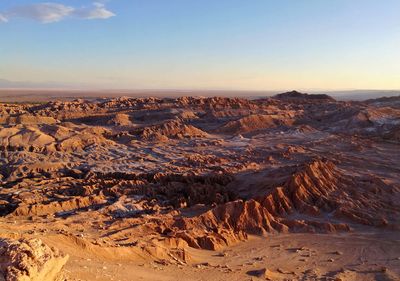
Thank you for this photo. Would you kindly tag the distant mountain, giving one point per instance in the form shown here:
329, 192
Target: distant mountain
295, 95
8, 84
11, 84
393, 101
360, 94
385, 99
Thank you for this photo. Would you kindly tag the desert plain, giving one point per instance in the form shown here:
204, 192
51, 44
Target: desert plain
289, 187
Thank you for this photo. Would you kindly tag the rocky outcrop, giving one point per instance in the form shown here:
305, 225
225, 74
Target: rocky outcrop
254, 122
26, 119
120, 119
30, 260
309, 191
47, 138
56, 206
171, 129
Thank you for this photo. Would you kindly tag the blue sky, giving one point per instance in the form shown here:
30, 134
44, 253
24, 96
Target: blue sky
202, 44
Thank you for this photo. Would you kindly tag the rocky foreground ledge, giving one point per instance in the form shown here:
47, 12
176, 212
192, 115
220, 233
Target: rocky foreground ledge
30, 260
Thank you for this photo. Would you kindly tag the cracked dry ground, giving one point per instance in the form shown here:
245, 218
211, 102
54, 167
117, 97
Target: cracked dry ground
293, 187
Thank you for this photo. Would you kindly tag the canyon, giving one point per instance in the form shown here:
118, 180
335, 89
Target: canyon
290, 187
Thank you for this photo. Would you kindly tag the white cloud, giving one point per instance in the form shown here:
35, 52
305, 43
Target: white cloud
98, 11
54, 12
3, 18
42, 12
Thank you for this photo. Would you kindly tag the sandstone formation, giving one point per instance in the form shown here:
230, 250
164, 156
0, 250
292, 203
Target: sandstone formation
152, 178
23, 260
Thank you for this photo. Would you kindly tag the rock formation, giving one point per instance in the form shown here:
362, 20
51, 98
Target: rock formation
154, 177
23, 260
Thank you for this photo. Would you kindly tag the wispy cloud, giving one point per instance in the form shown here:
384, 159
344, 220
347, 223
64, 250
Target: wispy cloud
3, 18
43, 12
53, 12
98, 11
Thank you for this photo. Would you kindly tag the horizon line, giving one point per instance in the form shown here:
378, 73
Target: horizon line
115, 90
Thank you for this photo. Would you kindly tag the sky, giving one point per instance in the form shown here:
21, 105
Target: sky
201, 44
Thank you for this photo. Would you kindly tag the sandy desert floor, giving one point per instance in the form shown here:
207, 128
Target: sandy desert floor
362, 255
292, 187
